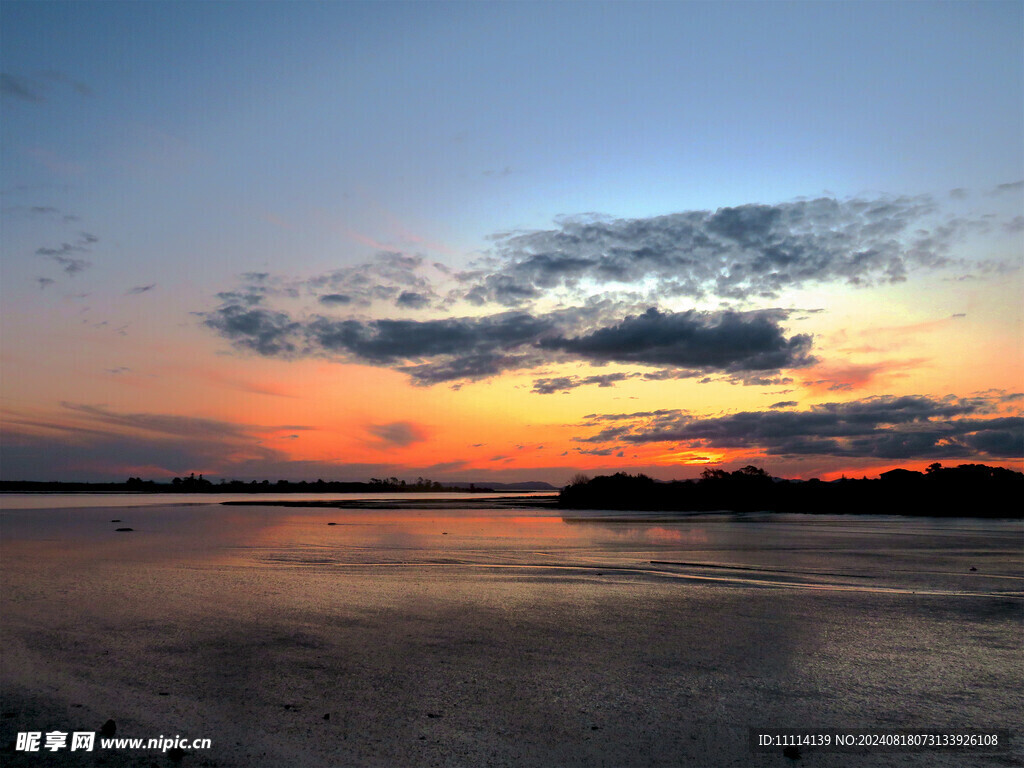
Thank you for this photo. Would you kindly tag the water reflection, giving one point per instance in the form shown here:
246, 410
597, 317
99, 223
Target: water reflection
844, 551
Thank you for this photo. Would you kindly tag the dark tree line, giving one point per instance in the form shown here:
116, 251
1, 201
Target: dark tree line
394, 484
969, 490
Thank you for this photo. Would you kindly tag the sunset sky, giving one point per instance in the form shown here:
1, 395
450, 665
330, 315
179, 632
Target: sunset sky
488, 241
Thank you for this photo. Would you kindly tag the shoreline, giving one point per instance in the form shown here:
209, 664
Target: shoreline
500, 502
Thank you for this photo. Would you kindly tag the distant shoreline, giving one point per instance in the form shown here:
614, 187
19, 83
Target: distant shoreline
518, 502
200, 485
968, 491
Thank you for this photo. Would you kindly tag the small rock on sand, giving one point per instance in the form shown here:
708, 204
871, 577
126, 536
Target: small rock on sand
109, 729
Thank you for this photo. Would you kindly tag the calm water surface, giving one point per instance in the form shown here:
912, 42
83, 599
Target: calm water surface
842, 552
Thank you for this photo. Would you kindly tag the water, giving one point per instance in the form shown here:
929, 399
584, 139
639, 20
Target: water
506, 636
916, 554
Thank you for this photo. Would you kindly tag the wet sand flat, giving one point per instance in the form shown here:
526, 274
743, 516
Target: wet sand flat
497, 637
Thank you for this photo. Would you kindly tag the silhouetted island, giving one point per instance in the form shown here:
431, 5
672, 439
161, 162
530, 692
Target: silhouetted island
969, 490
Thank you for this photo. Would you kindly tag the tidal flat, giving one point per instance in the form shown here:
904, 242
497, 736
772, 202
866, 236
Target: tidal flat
499, 636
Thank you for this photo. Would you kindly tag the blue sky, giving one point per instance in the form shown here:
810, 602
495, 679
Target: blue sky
153, 152
467, 119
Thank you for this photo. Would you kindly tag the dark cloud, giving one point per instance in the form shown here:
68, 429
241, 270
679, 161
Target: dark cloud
785, 404
429, 351
72, 266
666, 374
444, 467
449, 349
598, 451
1013, 186
249, 296
397, 434
557, 384
393, 341
753, 380
140, 289
1016, 224
999, 442
61, 250
467, 367
742, 252
173, 425
12, 86
721, 341
64, 253
565, 383
335, 299
412, 300
33, 89
606, 434
661, 414
266, 332
391, 277
628, 423
883, 427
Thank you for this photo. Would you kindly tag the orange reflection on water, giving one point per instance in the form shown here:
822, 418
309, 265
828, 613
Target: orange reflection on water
661, 535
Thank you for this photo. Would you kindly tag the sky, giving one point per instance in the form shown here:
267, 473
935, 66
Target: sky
509, 241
